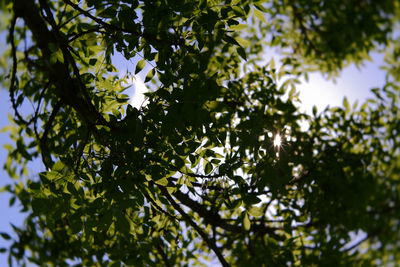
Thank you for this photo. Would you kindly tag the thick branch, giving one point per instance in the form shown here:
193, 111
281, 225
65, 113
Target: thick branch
215, 220
67, 87
208, 216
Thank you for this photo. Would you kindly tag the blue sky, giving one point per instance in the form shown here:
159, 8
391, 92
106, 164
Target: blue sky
352, 82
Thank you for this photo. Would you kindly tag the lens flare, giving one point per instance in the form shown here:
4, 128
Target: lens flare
277, 141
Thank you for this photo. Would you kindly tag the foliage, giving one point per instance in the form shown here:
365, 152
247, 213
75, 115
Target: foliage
194, 175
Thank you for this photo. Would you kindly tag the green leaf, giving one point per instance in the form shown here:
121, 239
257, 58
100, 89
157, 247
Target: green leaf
255, 211
242, 41
5, 236
242, 52
92, 61
162, 181
58, 166
260, 15
202, 4
230, 40
246, 222
171, 190
238, 27
215, 104
238, 11
122, 223
150, 75
208, 168
314, 110
346, 104
140, 65
106, 220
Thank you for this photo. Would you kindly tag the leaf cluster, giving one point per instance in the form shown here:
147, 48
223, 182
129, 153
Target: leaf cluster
194, 175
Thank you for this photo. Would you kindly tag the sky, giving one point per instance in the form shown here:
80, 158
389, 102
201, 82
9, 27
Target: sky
352, 82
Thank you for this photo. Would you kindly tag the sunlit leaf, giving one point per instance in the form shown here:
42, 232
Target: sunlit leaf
246, 222
140, 65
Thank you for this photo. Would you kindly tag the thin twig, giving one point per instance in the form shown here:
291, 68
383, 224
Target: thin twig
80, 150
118, 28
76, 36
36, 116
163, 255
356, 244
14, 71
46, 159
211, 244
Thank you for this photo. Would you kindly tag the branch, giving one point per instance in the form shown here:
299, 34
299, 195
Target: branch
14, 71
301, 178
163, 255
80, 149
194, 175
356, 244
208, 216
76, 36
201, 185
214, 219
154, 203
118, 28
66, 53
46, 158
211, 244
303, 29
36, 115
65, 85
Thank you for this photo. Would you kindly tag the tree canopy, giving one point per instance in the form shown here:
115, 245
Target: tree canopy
216, 166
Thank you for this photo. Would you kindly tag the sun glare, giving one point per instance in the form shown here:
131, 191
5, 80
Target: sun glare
138, 99
277, 141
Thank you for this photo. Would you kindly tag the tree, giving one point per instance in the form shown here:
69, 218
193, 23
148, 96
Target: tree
194, 174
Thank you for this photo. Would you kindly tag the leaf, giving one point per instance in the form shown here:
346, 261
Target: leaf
92, 61
202, 4
251, 199
208, 168
255, 211
109, 12
241, 52
140, 65
150, 75
260, 15
272, 64
12, 201
230, 40
171, 190
346, 104
314, 110
292, 92
105, 220
246, 222
238, 11
122, 223
238, 27
162, 181
5, 188
5, 236
59, 56
243, 42
58, 166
